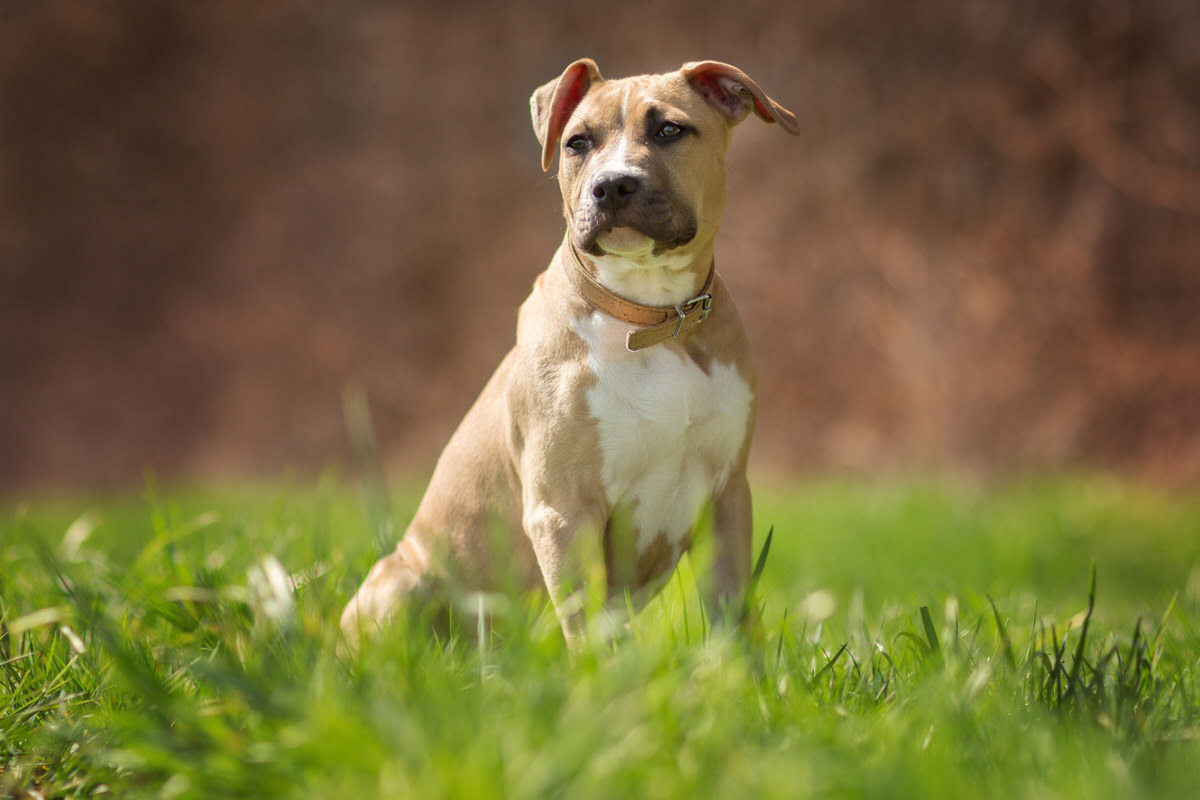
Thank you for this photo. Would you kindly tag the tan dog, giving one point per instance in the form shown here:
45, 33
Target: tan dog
628, 401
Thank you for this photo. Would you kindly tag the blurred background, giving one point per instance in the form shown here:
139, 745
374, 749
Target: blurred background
983, 255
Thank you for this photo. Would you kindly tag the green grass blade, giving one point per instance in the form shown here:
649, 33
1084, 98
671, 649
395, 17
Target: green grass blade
931, 636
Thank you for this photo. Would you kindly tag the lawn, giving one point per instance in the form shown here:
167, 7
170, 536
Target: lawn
918, 639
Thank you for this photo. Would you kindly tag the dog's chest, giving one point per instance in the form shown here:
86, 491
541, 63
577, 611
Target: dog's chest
670, 432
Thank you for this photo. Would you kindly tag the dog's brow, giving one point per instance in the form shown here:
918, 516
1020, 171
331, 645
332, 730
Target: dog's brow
581, 120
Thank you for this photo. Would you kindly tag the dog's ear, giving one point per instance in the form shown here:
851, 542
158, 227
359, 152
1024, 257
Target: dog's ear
553, 103
733, 94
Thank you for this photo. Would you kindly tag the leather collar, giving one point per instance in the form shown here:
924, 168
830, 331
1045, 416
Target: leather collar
655, 323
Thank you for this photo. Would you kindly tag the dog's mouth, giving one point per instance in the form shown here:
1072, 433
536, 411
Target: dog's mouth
629, 240
621, 241
649, 220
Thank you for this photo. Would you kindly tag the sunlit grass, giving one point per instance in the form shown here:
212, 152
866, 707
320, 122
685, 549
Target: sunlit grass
919, 639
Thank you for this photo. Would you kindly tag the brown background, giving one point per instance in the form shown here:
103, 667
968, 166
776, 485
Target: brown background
983, 254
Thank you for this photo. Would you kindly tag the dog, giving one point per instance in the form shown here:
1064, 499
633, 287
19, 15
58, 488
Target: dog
628, 402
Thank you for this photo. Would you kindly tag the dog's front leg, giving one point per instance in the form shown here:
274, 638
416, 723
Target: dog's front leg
733, 528
570, 554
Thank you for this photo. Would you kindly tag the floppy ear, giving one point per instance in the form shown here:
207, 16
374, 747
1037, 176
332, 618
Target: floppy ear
733, 94
553, 103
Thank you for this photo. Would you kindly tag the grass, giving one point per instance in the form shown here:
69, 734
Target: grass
917, 640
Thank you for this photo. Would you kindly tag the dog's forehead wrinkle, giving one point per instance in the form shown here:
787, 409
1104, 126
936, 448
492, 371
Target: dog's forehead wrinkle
579, 122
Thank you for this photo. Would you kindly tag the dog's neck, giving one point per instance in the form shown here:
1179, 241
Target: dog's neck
666, 279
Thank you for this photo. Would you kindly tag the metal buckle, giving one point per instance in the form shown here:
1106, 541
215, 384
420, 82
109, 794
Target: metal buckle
705, 303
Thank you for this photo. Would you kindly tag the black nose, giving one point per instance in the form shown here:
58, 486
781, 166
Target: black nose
614, 188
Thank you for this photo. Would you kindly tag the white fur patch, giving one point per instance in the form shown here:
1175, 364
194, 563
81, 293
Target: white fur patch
669, 433
618, 159
661, 280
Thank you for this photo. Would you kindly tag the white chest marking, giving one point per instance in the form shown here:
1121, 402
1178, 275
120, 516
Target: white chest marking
669, 433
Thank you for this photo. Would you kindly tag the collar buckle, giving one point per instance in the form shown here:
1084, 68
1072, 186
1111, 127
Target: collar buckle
704, 301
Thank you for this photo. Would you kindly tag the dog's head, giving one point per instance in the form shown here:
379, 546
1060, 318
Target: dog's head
642, 159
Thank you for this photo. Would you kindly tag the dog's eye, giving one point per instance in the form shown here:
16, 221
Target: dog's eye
577, 143
668, 130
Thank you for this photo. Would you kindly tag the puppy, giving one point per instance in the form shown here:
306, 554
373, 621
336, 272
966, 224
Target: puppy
627, 404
